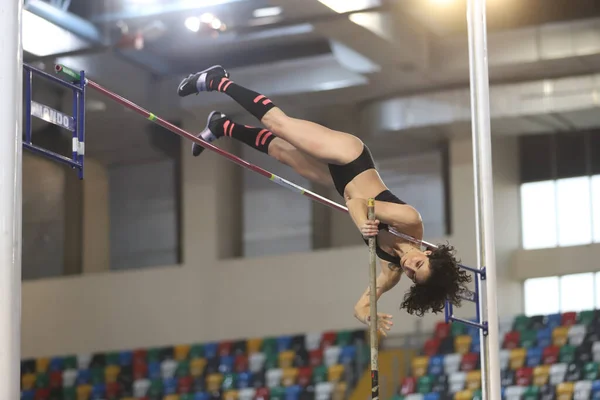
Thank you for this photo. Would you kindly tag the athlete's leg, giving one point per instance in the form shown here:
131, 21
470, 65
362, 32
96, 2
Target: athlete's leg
265, 141
325, 144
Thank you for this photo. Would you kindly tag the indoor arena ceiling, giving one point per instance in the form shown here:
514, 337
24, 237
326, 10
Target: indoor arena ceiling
401, 58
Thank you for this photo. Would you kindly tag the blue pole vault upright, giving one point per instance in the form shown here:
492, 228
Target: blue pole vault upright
74, 123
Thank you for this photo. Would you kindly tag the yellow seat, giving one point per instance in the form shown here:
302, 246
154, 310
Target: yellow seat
340, 391
335, 373
197, 366
541, 374
564, 391
253, 345
230, 395
419, 366
286, 359
560, 335
517, 358
182, 351
84, 392
463, 395
27, 381
289, 376
213, 382
473, 380
111, 373
462, 344
171, 397
41, 365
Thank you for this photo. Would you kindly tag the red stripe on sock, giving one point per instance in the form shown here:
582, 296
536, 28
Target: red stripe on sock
259, 136
267, 101
225, 126
259, 98
223, 80
264, 139
227, 85
231, 129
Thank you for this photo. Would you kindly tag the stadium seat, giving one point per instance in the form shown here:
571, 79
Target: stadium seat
424, 384
456, 381
534, 357
335, 373
436, 365
521, 323
537, 322
323, 390
328, 339
304, 376
574, 372
442, 330
433, 396
596, 351
586, 317
140, 387
440, 384
419, 366
312, 341
576, 334
259, 379
28, 381
262, 393
541, 375
239, 348
284, 343
214, 382
531, 393
83, 361
253, 345
271, 360
514, 392
408, 386
452, 363
583, 353
185, 384
315, 357
528, 339
319, 374
511, 340
348, 354
273, 377
244, 380
446, 346
257, 361
302, 358
517, 358
226, 364
560, 335
553, 320
292, 392
246, 393
469, 362
548, 392
289, 376
596, 389
564, 391
277, 393
507, 377
550, 355
473, 380
458, 329
566, 354
569, 318
230, 395
182, 352
99, 392
56, 379
28, 367
211, 350
197, 366
125, 358
462, 343
557, 373
167, 368
224, 348
544, 337
590, 371
464, 395
504, 358
140, 370
98, 374
170, 385
68, 377
431, 346
582, 390
414, 396
331, 355
524, 376
240, 363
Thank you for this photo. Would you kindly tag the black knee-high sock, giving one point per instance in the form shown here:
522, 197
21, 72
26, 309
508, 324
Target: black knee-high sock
255, 103
257, 138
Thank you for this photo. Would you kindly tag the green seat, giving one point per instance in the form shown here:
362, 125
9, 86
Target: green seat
344, 338
42, 380
528, 338
521, 323
70, 362
424, 384
196, 351
567, 354
397, 397
183, 369
277, 393
229, 381
186, 396
319, 374
457, 329
153, 355
590, 371
69, 393
156, 388
586, 317
477, 394
112, 358
531, 393
271, 361
269, 346
97, 375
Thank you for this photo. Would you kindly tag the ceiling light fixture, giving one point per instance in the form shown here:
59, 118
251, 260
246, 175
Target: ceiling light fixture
267, 12
193, 24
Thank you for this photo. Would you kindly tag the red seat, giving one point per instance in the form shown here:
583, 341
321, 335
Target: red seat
42, 394
431, 347
409, 385
224, 348
139, 356
262, 394
328, 339
184, 384
240, 364
568, 319
524, 376
469, 362
56, 379
511, 340
550, 355
112, 390
442, 330
315, 357
304, 376
140, 370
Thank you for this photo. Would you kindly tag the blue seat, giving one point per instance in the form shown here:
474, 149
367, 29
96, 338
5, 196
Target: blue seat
292, 392
431, 396
170, 385
476, 344
125, 358
28, 394
534, 356
56, 364
284, 343
201, 396
553, 320
436, 365
83, 376
244, 380
99, 392
226, 364
544, 337
154, 370
596, 387
348, 354
210, 350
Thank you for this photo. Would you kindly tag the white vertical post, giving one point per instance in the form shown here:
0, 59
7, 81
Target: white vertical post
484, 205
11, 95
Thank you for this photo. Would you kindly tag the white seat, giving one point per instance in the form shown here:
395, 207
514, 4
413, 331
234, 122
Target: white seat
331, 355
576, 334
596, 351
452, 363
414, 396
312, 341
69, 376
246, 394
140, 387
83, 361
256, 362
504, 358
514, 392
456, 381
167, 368
557, 373
273, 377
582, 390
323, 390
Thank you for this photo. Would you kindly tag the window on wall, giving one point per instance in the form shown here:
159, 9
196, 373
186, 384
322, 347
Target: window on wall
549, 295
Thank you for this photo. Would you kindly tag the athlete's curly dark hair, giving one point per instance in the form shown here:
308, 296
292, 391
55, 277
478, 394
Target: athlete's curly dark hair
446, 282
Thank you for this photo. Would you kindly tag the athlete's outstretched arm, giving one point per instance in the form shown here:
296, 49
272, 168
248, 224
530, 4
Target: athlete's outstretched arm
401, 217
387, 279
